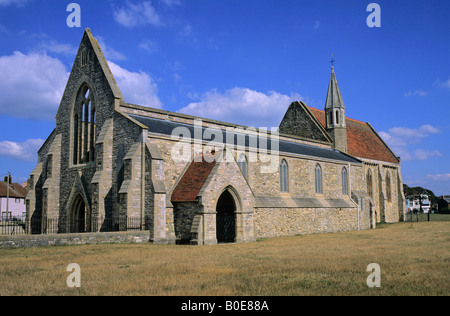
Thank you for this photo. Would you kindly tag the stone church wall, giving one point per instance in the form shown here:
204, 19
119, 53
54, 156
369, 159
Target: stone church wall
123, 179
385, 210
271, 222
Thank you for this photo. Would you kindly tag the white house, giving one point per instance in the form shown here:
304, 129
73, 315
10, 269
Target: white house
414, 204
14, 207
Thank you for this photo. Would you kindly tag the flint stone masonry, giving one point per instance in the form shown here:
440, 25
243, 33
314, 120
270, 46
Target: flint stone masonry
27, 241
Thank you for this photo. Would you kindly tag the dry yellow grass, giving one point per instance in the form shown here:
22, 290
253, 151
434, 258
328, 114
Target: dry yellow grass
414, 260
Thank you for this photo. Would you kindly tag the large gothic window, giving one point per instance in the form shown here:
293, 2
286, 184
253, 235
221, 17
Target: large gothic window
84, 127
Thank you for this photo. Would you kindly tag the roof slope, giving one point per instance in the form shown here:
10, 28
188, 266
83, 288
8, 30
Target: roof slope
362, 140
334, 98
192, 181
166, 127
15, 190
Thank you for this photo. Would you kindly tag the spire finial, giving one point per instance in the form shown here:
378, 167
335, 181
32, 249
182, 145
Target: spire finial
332, 61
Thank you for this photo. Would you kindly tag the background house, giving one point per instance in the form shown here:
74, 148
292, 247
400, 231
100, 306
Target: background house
14, 207
444, 203
413, 204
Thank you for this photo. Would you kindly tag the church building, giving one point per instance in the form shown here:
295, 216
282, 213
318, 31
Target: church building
114, 166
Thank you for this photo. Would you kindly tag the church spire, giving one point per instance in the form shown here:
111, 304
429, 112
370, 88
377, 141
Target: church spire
334, 98
335, 113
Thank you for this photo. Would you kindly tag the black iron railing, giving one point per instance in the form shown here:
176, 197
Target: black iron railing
55, 225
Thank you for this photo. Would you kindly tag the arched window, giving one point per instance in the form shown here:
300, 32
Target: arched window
318, 179
84, 127
242, 162
344, 181
75, 139
284, 180
337, 116
369, 181
388, 187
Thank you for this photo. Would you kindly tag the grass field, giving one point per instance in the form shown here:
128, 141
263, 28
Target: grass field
414, 259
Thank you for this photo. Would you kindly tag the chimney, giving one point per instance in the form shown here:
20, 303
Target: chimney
6, 179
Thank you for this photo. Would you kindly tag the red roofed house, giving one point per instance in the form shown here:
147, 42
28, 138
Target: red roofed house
14, 207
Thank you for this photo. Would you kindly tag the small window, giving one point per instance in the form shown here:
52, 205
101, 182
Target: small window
344, 181
369, 183
284, 176
242, 162
388, 187
318, 179
84, 58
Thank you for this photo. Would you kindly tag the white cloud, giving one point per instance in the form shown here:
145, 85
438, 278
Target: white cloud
18, 3
422, 154
316, 25
402, 136
438, 183
170, 3
3, 29
137, 87
109, 52
31, 86
25, 151
188, 35
445, 84
142, 13
439, 177
419, 93
400, 139
149, 46
241, 106
58, 48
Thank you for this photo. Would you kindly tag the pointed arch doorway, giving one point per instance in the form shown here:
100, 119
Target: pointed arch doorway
78, 215
226, 218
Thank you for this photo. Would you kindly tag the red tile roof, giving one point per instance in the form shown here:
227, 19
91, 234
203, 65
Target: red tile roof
15, 190
193, 180
362, 140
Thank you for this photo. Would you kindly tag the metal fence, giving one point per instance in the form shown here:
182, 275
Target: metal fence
226, 228
12, 227
55, 225
424, 217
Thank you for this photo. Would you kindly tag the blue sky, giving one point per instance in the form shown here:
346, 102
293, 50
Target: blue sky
241, 61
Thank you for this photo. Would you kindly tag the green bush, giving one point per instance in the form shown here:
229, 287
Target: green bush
444, 211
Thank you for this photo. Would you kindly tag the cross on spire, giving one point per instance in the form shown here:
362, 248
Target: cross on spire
332, 61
